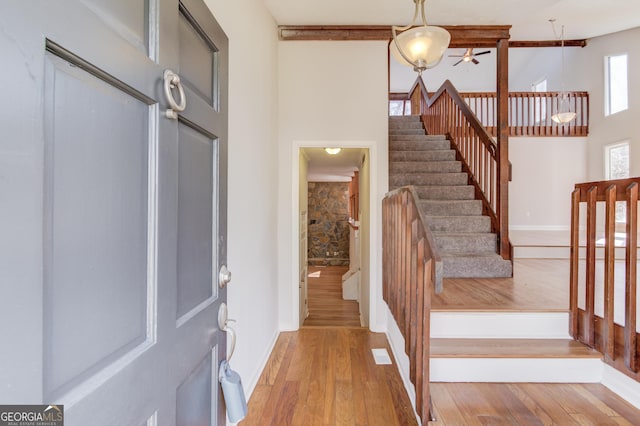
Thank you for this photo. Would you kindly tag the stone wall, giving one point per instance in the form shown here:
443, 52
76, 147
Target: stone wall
328, 223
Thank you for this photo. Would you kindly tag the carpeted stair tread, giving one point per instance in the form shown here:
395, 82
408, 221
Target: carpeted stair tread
445, 192
423, 155
475, 266
425, 166
451, 207
452, 224
419, 145
469, 243
397, 180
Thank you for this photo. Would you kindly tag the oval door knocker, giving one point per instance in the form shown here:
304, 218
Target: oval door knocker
172, 81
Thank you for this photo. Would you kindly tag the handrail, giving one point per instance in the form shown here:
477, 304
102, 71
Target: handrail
529, 112
445, 112
618, 342
411, 269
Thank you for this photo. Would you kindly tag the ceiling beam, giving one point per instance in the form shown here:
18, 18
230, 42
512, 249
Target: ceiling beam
461, 35
547, 43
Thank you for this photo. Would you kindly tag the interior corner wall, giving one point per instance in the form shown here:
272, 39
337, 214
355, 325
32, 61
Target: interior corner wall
329, 93
252, 181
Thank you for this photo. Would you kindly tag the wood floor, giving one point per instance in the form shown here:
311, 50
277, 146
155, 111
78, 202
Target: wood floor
327, 375
324, 295
527, 404
537, 284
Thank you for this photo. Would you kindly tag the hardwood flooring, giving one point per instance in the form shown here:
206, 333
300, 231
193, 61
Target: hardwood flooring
327, 376
537, 284
472, 404
324, 296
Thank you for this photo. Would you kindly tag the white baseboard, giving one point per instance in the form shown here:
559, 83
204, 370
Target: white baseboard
250, 385
500, 325
539, 227
624, 386
516, 370
397, 344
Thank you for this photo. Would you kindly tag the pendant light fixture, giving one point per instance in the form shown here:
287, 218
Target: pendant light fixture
563, 114
420, 47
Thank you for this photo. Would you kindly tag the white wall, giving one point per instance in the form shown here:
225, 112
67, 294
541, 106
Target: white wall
252, 294
620, 126
544, 173
466, 77
330, 94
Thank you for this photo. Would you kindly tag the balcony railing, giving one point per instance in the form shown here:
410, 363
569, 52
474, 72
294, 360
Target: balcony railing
603, 292
529, 112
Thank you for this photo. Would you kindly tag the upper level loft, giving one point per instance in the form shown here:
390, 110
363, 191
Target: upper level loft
529, 112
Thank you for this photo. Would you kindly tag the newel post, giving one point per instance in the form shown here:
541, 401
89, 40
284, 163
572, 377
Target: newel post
502, 89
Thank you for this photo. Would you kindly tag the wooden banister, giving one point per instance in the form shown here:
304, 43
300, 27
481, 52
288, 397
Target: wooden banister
618, 342
445, 112
411, 269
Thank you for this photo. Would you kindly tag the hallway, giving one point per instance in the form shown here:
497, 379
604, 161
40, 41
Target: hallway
324, 295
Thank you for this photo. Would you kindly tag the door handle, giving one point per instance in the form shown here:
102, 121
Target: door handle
223, 324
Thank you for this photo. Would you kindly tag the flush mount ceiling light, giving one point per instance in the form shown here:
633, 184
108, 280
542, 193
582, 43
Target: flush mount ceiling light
333, 151
564, 114
420, 47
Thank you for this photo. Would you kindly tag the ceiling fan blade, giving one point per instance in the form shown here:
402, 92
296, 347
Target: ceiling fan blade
475, 61
457, 62
456, 56
482, 53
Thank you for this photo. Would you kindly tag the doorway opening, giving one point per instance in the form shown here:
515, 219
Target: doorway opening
330, 271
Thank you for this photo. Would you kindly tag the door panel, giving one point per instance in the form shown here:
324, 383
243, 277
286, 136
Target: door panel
95, 224
194, 396
195, 219
114, 216
197, 60
128, 18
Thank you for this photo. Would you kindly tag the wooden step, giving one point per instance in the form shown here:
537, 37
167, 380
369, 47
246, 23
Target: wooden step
510, 348
514, 360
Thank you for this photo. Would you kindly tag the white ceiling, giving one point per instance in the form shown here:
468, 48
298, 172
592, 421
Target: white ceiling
335, 168
529, 18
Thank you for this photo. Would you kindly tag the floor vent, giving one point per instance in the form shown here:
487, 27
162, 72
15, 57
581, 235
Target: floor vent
381, 356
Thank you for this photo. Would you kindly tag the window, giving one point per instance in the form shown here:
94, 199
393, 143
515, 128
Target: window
617, 167
399, 107
616, 93
540, 104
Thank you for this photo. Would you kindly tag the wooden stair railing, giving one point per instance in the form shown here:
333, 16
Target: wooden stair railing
446, 113
411, 269
619, 343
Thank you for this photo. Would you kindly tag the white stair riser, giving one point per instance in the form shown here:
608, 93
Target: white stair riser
503, 325
513, 370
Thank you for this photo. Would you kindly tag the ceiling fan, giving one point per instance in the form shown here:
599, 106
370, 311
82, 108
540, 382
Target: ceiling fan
469, 56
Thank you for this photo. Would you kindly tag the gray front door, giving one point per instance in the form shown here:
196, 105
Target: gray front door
112, 214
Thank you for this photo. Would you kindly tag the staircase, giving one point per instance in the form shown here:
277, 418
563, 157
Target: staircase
462, 233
